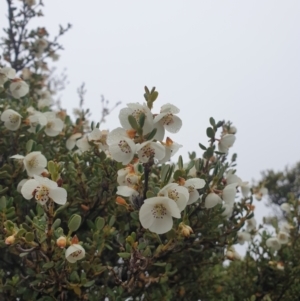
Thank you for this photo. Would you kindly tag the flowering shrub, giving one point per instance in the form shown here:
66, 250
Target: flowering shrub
93, 214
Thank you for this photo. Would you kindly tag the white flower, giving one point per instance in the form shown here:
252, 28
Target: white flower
26, 73
128, 176
45, 99
286, 207
99, 138
177, 193
171, 148
83, 144
285, 227
136, 109
243, 236
232, 130
251, 224
228, 208
54, 125
71, 141
156, 214
20, 185
126, 191
211, 200
5, 74
42, 189
233, 178
18, 88
34, 162
150, 149
192, 185
36, 118
229, 193
166, 120
74, 252
283, 237
273, 243
121, 147
263, 191
41, 45
11, 119
232, 254
225, 142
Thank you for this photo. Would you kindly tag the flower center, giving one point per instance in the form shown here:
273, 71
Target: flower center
124, 146
33, 163
131, 179
173, 194
159, 211
168, 119
42, 194
13, 118
76, 253
147, 151
191, 188
137, 113
50, 124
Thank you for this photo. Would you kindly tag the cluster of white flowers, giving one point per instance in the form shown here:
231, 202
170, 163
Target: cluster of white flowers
12, 119
39, 187
84, 143
282, 237
18, 88
129, 144
227, 196
125, 142
227, 139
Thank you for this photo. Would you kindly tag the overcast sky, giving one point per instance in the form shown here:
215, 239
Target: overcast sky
233, 60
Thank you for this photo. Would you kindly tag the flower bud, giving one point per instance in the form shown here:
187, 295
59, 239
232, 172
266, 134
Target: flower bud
121, 201
232, 130
61, 242
185, 230
10, 240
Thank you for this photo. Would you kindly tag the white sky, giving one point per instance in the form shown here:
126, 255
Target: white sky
233, 60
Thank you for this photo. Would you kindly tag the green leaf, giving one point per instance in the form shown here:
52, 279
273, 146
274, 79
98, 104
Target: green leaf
4, 174
133, 123
210, 132
48, 265
212, 122
164, 171
202, 146
151, 134
2, 203
89, 283
142, 120
74, 222
112, 220
52, 167
124, 255
100, 222
62, 208
30, 145
178, 173
4, 190
150, 194
209, 153
180, 162
56, 223
29, 236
